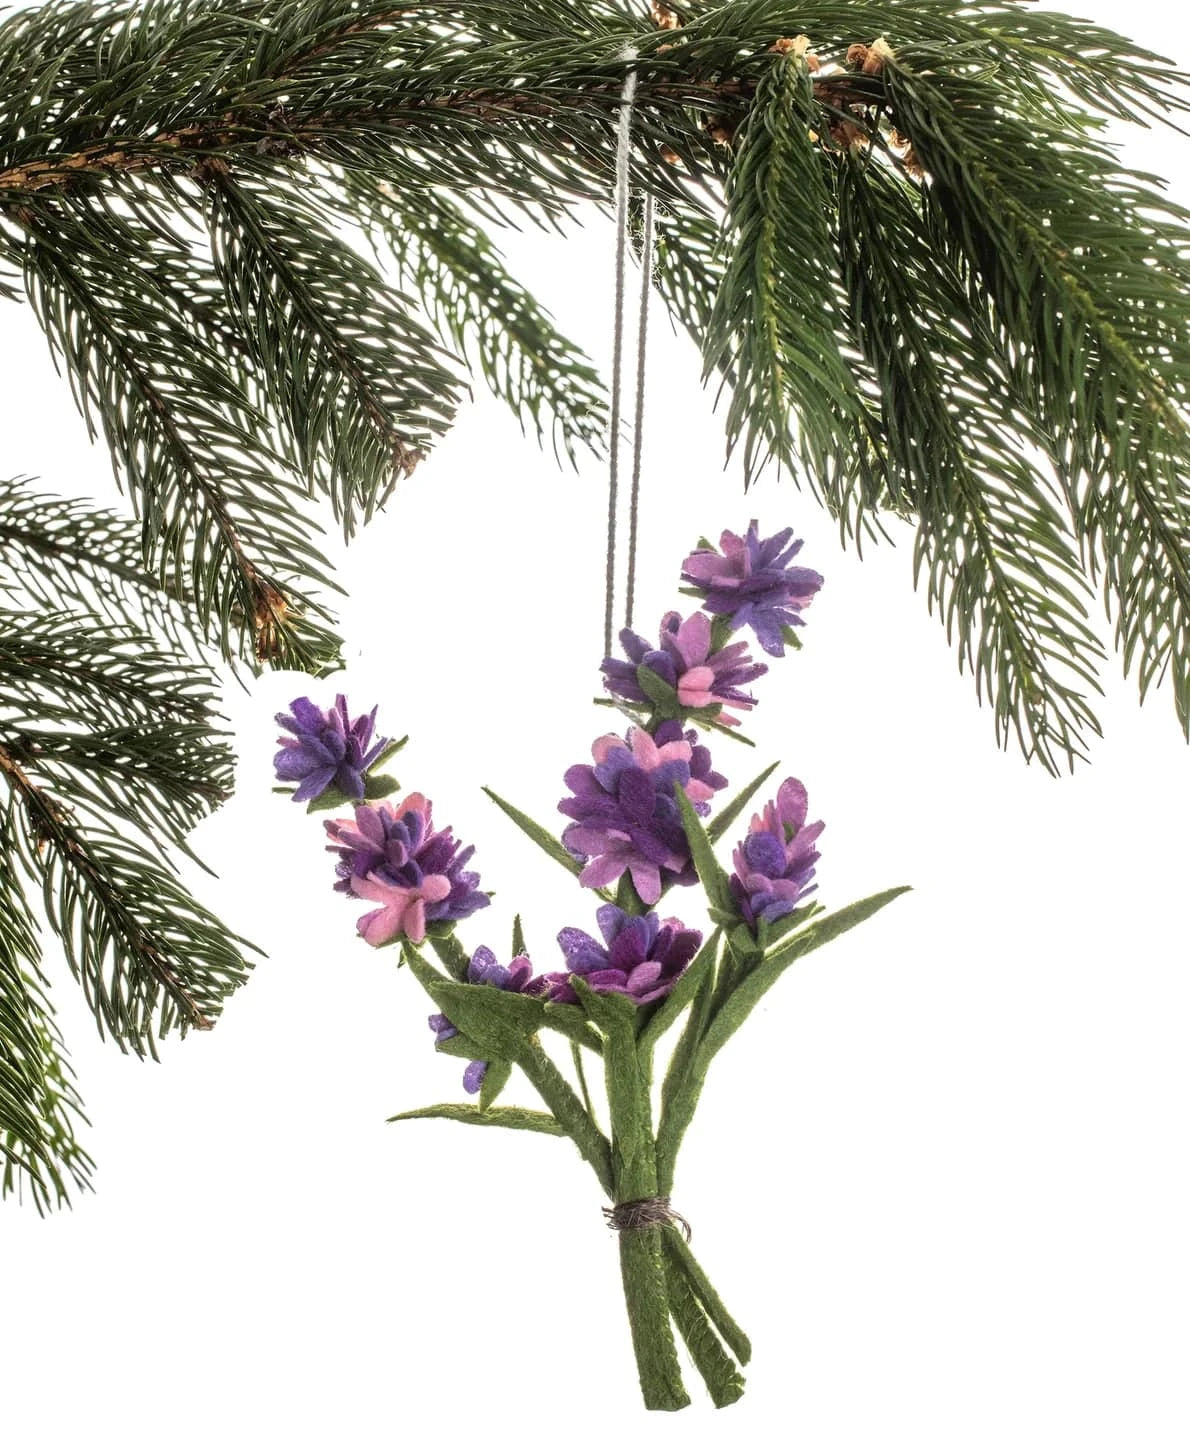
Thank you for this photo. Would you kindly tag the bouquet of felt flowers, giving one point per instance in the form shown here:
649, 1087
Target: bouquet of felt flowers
643, 819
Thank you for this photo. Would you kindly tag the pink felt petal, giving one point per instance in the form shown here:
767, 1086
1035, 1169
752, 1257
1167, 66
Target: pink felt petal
647, 880
434, 888
644, 750
694, 639
602, 871
792, 802
604, 746
415, 921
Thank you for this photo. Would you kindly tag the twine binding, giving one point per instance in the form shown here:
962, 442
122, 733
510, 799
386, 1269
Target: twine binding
643, 1213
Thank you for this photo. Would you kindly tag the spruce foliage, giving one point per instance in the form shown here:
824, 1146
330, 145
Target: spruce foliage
256, 235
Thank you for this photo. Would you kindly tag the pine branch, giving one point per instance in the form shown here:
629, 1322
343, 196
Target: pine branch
769, 325
361, 385
40, 1109
1019, 614
148, 758
1081, 270
484, 312
57, 555
217, 514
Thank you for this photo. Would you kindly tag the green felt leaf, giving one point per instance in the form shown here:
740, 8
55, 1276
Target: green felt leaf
662, 694
552, 847
494, 1082
518, 938
501, 1022
571, 1022
669, 1009
710, 873
509, 1117
724, 819
756, 983
449, 949
388, 752
459, 1046
331, 799
429, 976
380, 787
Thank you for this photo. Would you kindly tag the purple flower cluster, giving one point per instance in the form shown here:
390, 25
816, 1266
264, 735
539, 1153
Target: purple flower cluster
684, 660
642, 957
393, 855
751, 580
624, 811
484, 970
325, 748
774, 863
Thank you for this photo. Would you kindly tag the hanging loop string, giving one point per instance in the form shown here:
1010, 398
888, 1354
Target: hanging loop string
638, 426
623, 151
623, 156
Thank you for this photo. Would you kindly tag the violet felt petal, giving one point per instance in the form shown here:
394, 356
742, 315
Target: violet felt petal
649, 845
299, 759
641, 978
661, 662
607, 979
314, 784
610, 919
474, 1075
483, 959
520, 973
647, 880
632, 945
765, 853
694, 639
637, 795
684, 945
307, 715
792, 802
602, 871
581, 951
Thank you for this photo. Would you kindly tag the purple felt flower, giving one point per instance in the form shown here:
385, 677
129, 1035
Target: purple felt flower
684, 660
774, 863
394, 856
484, 970
642, 957
751, 580
325, 748
624, 811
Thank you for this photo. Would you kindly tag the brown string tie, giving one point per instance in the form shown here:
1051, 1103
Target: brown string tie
642, 1213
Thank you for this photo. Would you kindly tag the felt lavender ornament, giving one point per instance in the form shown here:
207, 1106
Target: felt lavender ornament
644, 817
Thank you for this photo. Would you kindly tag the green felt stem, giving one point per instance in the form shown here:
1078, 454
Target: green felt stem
642, 1266
724, 1382
646, 1295
680, 1258
679, 1091
560, 1098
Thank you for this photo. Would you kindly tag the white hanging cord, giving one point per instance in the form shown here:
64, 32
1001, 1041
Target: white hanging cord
623, 147
623, 155
638, 427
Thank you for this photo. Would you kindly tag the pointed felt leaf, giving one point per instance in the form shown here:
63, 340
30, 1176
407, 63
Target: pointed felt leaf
552, 847
670, 1008
571, 1022
380, 787
501, 1022
518, 938
524, 1118
494, 1082
753, 987
724, 819
660, 692
710, 873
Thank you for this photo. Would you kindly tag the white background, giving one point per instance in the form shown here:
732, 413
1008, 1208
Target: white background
941, 1178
